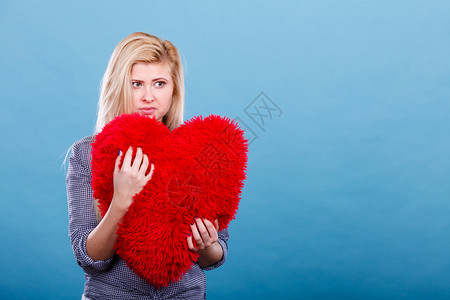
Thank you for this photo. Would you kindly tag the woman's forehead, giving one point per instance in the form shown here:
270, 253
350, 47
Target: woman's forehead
150, 69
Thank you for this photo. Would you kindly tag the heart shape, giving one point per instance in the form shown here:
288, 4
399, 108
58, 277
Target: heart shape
199, 171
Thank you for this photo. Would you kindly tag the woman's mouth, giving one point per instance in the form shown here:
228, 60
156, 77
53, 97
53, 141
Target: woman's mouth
147, 110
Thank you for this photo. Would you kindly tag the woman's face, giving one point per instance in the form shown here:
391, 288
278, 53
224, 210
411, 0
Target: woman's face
152, 89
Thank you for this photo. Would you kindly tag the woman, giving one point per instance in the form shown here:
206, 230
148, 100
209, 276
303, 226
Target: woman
144, 75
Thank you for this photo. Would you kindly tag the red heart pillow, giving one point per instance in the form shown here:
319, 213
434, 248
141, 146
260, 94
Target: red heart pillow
199, 171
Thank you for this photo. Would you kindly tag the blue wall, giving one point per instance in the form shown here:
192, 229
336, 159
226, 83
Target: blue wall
348, 186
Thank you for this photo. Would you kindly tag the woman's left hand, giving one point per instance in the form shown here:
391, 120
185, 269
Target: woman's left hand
204, 233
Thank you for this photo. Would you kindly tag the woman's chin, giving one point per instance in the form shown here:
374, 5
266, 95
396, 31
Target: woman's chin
150, 116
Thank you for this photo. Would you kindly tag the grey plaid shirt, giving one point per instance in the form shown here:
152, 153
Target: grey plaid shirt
112, 279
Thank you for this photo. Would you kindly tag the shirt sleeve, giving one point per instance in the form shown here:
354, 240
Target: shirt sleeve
82, 218
223, 238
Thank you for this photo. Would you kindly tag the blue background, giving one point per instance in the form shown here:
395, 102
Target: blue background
347, 195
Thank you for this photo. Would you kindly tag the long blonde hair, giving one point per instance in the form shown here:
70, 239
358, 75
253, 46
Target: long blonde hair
116, 92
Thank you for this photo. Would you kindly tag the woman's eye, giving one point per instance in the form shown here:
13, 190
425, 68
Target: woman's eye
136, 84
160, 83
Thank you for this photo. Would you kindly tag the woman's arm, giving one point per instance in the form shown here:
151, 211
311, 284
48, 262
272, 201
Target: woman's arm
129, 180
100, 242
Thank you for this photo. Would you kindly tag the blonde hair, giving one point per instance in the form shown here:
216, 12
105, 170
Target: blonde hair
116, 92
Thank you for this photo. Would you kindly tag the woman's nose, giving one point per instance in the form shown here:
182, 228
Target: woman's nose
148, 95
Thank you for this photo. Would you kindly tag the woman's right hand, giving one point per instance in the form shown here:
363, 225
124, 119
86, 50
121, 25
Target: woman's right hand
130, 178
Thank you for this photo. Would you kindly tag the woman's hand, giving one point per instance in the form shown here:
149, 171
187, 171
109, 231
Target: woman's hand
131, 178
205, 235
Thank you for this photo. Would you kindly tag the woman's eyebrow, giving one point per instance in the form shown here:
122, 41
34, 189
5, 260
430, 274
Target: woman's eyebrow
159, 78
155, 79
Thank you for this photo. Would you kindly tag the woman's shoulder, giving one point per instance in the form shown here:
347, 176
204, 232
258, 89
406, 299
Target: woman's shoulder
80, 154
84, 142
82, 147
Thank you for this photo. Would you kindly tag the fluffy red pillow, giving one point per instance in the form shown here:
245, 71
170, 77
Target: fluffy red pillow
199, 171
